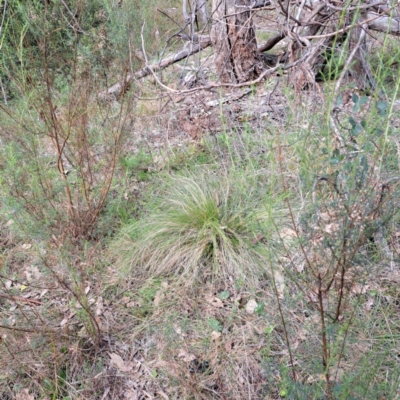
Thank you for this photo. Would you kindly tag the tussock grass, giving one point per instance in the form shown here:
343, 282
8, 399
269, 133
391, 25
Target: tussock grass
205, 227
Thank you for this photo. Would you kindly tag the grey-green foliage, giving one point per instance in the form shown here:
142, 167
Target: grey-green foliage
58, 34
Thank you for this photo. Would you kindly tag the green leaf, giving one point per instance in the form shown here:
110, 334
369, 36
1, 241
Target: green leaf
353, 122
259, 310
334, 161
355, 98
382, 106
363, 100
339, 100
268, 330
224, 295
215, 325
358, 102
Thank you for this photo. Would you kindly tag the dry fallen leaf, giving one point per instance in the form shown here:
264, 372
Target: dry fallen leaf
186, 356
131, 394
287, 233
159, 297
229, 346
105, 394
300, 267
99, 306
24, 395
315, 378
280, 283
164, 285
28, 275
118, 362
215, 301
163, 395
359, 288
368, 304
87, 289
251, 306
9, 223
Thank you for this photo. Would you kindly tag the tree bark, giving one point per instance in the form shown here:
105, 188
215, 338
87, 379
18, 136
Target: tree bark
234, 41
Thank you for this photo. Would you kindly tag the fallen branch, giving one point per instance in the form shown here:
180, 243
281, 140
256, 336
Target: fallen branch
119, 88
384, 23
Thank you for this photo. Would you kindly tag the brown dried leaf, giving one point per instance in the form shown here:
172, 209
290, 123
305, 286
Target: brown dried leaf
315, 378
300, 267
117, 361
287, 233
229, 346
99, 306
159, 297
251, 306
368, 304
280, 283
215, 301
131, 394
87, 289
359, 288
163, 395
187, 357
24, 395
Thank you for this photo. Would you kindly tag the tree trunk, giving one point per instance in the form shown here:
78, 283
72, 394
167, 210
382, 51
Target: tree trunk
234, 41
360, 70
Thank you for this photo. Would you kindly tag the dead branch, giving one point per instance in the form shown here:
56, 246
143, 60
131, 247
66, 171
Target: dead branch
119, 88
384, 23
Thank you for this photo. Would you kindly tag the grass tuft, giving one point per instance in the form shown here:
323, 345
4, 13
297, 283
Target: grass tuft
204, 228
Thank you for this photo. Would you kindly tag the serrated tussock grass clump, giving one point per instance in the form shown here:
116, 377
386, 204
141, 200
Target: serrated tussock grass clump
204, 228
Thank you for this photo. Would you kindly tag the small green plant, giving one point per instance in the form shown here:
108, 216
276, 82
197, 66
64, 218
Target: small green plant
214, 325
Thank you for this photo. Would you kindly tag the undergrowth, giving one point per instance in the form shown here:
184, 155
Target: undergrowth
260, 261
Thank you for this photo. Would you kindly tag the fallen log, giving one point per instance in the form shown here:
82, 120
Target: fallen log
119, 88
384, 23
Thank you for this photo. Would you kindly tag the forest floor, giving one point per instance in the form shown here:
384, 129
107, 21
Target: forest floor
295, 296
